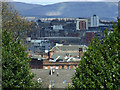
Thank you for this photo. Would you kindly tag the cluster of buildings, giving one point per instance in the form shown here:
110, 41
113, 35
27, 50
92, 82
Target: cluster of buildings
57, 28
59, 57
60, 42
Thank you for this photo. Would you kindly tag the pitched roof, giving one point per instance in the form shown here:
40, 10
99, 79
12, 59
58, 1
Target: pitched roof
60, 52
68, 48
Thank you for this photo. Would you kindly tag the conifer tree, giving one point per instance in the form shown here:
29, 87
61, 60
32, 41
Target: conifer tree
15, 66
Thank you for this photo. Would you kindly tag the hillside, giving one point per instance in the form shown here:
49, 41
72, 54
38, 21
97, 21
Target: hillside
69, 9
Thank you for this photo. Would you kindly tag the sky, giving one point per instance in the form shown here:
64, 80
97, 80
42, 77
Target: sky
45, 2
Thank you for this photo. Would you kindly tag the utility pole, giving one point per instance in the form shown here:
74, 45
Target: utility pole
80, 50
38, 29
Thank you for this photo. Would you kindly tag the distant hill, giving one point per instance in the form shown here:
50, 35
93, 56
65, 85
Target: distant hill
21, 7
69, 9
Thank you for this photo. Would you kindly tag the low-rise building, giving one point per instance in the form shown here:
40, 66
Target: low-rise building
38, 46
65, 52
63, 57
57, 27
60, 65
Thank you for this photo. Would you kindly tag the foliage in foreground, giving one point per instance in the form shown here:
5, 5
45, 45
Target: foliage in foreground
15, 64
100, 65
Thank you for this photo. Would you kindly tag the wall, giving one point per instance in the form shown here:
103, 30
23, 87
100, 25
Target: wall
36, 64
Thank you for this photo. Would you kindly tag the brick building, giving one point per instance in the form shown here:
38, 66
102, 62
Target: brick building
61, 57
88, 37
59, 65
65, 52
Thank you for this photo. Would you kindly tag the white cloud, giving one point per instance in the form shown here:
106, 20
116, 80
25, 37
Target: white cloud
116, 12
6, 0
57, 12
53, 13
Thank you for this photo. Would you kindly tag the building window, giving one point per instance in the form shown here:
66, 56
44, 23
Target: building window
56, 67
35, 46
43, 47
51, 67
67, 67
46, 67
62, 67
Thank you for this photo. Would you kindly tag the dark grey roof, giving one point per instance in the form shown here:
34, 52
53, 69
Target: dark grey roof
64, 75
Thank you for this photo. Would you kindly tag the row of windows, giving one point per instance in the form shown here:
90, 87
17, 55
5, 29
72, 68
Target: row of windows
46, 67
57, 67
40, 42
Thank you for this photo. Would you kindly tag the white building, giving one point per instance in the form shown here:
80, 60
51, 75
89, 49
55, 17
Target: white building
81, 24
94, 21
50, 19
57, 27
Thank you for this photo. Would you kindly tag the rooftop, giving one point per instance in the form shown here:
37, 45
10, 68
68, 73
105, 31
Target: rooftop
68, 47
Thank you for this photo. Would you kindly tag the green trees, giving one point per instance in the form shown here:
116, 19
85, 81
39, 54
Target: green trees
15, 63
15, 66
100, 65
13, 22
